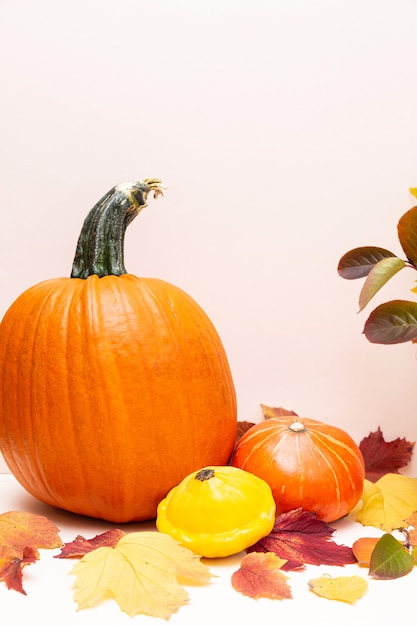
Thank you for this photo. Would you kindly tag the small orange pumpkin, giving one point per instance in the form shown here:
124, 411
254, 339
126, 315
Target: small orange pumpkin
113, 387
307, 464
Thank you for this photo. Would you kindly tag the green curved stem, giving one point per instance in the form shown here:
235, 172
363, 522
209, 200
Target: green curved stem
100, 246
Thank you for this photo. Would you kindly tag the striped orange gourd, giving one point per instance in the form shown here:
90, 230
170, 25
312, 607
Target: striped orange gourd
307, 464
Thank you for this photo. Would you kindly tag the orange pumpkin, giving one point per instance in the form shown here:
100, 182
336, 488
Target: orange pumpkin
307, 464
113, 387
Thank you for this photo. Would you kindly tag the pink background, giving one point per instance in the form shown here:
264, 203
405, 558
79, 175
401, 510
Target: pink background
286, 133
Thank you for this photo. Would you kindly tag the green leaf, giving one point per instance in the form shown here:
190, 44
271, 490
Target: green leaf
390, 559
357, 263
392, 322
378, 276
407, 234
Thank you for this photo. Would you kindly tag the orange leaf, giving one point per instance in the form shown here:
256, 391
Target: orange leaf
259, 576
363, 548
18, 530
412, 521
20, 535
81, 546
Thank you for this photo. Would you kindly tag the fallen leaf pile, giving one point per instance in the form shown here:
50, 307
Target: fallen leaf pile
147, 572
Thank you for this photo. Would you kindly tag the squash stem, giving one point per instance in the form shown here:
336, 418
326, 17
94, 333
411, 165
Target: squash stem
100, 246
204, 474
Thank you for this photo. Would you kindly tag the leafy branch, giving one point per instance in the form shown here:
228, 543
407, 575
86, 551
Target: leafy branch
394, 321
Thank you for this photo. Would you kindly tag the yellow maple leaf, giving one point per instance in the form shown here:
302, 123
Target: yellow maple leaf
413, 191
343, 588
144, 573
388, 502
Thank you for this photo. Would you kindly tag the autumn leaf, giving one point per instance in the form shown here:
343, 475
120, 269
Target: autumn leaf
412, 521
390, 559
242, 428
270, 411
301, 538
343, 588
388, 502
19, 530
260, 576
362, 549
81, 546
11, 567
144, 573
20, 535
382, 457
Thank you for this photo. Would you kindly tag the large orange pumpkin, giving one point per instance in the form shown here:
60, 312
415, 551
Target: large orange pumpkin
307, 464
113, 387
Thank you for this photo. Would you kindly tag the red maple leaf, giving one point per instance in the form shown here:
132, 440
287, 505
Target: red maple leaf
11, 567
300, 537
81, 546
383, 457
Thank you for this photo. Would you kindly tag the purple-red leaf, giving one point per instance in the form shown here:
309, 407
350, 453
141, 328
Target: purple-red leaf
301, 538
11, 566
80, 546
384, 457
357, 263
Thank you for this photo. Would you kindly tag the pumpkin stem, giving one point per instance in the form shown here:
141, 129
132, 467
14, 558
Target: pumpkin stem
297, 427
100, 247
204, 474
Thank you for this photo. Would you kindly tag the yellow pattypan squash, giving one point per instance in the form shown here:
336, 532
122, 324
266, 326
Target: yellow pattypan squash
218, 511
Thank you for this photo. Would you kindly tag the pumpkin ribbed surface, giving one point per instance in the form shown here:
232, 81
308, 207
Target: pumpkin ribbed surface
307, 463
114, 389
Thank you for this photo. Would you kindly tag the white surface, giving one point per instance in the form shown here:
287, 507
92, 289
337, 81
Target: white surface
49, 598
286, 133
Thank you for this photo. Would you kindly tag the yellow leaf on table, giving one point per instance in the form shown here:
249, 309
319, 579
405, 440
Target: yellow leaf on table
143, 573
343, 588
388, 502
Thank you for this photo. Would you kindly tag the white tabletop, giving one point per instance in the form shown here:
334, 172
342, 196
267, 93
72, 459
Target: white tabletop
49, 598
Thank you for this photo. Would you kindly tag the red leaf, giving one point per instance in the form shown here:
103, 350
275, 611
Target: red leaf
81, 546
259, 576
11, 567
382, 457
300, 537
242, 427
